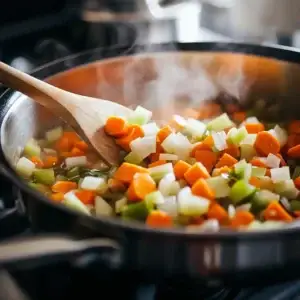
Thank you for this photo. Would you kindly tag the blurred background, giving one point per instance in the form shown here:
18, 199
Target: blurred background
35, 32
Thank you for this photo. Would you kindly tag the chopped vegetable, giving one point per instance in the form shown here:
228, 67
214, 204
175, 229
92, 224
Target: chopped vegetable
221, 170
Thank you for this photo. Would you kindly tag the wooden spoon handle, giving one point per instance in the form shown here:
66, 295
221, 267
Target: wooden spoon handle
39, 91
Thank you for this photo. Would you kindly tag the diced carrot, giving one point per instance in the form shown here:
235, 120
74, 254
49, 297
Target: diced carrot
226, 160
232, 150
209, 141
253, 128
276, 212
37, 161
82, 145
180, 169
266, 143
141, 185
256, 162
86, 197
282, 161
116, 185
58, 197
50, 161
159, 219
76, 152
216, 211
67, 141
116, 127
126, 172
63, 186
239, 116
219, 171
294, 152
297, 182
294, 127
195, 172
157, 163
199, 146
163, 133
207, 158
134, 132
242, 218
202, 189
255, 181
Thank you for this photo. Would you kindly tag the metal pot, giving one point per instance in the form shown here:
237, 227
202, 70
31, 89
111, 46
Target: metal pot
207, 69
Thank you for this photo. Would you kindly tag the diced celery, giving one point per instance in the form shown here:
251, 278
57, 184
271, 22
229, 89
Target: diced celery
140, 116
190, 205
219, 185
240, 191
32, 148
295, 205
133, 158
236, 137
102, 208
249, 139
155, 198
71, 201
120, 204
25, 167
243, 170
286, 189
44, 189
44, 176
62, 178
258, 172
158, 172
54, 134
220, 123
247, 152
194, 128
169, 206
137, 211
262, 198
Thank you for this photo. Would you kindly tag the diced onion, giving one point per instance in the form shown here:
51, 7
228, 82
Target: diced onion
249, 139
280, 174
143, 147
220, 140
79, 161
237, 136
150, 129
165, 184
280, 134
102, 207
155, 198
158, 172
167, 156
244, 207
190, 205
71, 201
92, 183
231, 211
54, 134
25, 167
273, 161
169, 206
220, 123
195, 128
179, 121
219, 185
286, 189
251, 120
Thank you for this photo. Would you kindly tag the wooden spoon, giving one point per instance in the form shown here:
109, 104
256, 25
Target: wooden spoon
85, 114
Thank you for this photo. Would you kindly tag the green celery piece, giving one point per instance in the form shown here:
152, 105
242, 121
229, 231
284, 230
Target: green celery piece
32, 149
237, 137
137, 211
258, 172
73, 172
241, 190
263, 198
220, 123
295, 205
133, 158
140, 116
44, 189
44, 176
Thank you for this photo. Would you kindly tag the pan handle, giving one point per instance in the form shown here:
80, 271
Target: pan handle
40, 250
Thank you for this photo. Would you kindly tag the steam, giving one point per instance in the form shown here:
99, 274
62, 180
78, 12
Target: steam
167, 86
